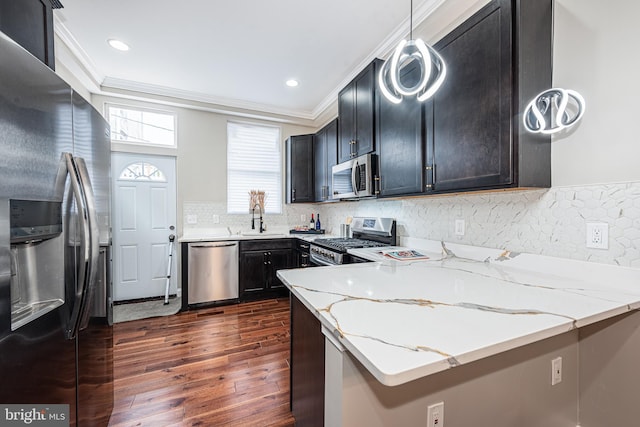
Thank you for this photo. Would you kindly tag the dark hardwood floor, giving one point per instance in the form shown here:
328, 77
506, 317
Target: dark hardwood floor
226, 366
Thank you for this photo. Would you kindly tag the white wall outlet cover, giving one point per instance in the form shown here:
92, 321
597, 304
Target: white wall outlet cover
556, 371
597, 235
435, 415
216, 219
459, 227
192, 219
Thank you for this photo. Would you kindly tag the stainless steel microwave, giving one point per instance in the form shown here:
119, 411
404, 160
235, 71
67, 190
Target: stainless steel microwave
354, 178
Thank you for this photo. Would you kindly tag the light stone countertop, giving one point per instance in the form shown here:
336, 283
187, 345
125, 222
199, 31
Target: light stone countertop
405, 320
224, 234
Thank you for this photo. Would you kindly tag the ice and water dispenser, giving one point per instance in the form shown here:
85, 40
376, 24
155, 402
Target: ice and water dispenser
37, 259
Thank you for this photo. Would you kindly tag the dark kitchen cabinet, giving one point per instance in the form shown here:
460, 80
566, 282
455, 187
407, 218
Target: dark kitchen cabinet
356, 110
399, 138
299, 166
325, 156
30, 24
307, 366
495, 65
259, 262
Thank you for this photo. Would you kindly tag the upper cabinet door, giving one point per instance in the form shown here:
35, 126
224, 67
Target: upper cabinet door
320, 166
325, 157
496, 61
356, 109
365, 110
347, 128
30, 24
300, 169
400, 142
469, 118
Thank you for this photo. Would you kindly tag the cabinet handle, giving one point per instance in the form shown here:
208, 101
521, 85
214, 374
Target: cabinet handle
377, 184
293, 196
432, 169
304, 246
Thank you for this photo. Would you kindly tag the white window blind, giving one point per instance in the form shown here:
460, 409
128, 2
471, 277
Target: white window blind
253, 163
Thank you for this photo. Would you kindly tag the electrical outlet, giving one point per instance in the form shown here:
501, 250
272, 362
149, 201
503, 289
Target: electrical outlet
303, 218
459, 227
556, 371
598, 235
435, 415
216, 219
192, 219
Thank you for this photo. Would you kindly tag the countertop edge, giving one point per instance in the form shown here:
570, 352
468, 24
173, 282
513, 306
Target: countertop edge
429, 368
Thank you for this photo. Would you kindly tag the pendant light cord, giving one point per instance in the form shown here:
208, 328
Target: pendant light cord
411, 21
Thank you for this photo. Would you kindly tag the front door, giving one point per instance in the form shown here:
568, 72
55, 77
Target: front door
144, 216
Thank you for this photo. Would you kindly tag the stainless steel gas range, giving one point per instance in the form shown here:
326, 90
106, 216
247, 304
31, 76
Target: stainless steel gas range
367, 232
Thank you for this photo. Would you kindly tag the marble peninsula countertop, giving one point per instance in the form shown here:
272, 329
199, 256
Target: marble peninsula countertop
404, 320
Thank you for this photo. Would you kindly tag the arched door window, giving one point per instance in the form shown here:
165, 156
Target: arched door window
142, 171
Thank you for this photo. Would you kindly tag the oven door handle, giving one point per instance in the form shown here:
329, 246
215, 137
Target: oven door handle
320, 261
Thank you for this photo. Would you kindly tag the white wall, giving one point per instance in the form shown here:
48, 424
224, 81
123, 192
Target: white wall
595, 54
201, 153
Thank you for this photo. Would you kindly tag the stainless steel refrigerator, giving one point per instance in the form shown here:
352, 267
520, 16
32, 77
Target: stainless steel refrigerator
56, 340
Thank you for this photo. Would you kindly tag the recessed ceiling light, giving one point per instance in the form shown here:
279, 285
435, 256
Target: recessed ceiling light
292, 83
119, 45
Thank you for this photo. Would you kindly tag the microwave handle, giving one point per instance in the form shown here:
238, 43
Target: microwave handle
354, 169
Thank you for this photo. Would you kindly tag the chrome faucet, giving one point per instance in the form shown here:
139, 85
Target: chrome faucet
253, 217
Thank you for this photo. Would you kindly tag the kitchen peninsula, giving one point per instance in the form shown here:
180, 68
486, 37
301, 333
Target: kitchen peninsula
472, 327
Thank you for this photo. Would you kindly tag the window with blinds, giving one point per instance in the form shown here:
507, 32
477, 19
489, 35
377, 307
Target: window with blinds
253, 163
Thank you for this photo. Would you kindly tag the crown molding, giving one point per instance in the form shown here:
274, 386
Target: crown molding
109, 85
182, 102
151, 89
80, 55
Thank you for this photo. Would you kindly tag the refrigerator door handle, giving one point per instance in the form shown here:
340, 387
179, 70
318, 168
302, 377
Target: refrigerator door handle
93, 243
87, 254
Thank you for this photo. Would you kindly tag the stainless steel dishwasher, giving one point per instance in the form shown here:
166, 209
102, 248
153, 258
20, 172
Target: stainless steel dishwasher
213, 272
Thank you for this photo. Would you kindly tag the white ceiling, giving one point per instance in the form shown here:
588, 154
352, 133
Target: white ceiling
237, 53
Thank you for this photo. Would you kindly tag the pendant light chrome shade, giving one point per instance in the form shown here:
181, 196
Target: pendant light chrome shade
553, 110
432, 70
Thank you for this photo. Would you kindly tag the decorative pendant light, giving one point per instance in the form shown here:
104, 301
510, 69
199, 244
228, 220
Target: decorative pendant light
432, 69
553, 110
